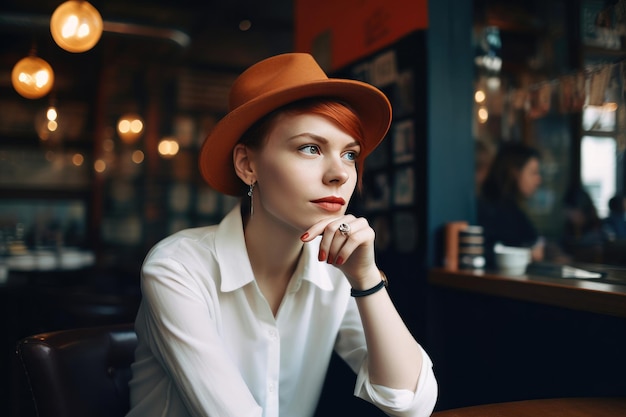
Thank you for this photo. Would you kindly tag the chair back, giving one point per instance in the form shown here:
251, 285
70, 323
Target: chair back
79, 372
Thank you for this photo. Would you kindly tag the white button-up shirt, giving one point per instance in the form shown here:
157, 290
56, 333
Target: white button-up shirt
209, 344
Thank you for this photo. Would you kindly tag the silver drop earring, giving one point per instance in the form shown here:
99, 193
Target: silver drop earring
250, 190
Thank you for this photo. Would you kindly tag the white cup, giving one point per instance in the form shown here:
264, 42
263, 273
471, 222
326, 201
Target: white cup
512, 260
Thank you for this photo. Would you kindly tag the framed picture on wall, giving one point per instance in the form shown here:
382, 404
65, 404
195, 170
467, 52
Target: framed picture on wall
403, 141
404, 186
404, 231
400, 94
377, 191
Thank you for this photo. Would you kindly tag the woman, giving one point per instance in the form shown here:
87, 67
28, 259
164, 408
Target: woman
241, 319
615, 223
513, 178
583, 235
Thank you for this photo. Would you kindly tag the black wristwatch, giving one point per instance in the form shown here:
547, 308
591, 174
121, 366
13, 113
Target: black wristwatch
384, 283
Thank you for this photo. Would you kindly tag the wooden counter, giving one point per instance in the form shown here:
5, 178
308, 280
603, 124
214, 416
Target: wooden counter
559, 407
592, 295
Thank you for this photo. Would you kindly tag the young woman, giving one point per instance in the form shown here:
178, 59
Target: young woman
513, 178
241, 319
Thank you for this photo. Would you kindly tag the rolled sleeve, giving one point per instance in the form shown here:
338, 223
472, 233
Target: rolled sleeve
398, 402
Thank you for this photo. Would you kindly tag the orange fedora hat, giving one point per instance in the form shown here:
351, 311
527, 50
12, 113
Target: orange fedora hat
273, 83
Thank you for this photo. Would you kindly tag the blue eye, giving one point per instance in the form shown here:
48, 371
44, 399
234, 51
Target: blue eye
310, 149
351, 155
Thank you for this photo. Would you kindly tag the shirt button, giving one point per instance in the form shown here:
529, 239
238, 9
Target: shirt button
273, 334
271, 387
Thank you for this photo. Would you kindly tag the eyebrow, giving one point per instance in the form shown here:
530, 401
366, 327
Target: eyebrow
321, 139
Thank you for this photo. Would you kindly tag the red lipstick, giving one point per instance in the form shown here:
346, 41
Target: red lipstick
330, 203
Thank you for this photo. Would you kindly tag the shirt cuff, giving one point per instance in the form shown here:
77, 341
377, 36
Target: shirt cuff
401, 402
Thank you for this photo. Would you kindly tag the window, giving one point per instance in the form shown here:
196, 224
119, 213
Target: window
598, 161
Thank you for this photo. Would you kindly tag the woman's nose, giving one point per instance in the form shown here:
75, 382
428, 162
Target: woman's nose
336, 171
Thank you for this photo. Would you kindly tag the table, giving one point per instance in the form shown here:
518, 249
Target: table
602, 297
557, 407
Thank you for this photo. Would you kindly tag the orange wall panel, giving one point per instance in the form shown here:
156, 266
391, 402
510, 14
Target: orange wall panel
338, 32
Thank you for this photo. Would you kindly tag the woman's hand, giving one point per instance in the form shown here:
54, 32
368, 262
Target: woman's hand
352, 251
394, 357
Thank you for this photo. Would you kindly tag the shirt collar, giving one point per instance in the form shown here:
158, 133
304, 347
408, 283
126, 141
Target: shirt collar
312, 270
235, 268
232, 256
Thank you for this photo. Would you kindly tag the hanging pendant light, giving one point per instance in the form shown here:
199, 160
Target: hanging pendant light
32, 77
76, 26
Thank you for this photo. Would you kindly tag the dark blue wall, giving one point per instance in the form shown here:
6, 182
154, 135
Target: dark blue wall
450, 145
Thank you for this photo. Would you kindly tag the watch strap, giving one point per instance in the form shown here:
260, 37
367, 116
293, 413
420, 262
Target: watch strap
362, 293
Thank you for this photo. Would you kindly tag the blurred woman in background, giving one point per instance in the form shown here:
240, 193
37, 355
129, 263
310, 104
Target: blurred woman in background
583, 235
513, 178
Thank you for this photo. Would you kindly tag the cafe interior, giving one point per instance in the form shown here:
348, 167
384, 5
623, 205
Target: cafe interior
98, 162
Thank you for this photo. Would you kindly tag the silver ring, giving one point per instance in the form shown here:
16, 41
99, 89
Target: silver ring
344, 229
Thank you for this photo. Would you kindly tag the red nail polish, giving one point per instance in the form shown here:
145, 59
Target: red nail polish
339, 260
322, 256
330, 259
304, 236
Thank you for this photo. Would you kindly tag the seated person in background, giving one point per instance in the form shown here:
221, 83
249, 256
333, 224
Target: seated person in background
513, 178
241, 318
583, 236
615, 223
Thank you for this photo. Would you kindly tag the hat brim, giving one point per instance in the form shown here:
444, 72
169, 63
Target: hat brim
216, 160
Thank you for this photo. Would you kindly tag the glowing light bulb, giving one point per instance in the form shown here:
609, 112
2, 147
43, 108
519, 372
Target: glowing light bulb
483, 115
479, 96
168, 147
76, 26
100, 166
32, 77
137, 157
130, 127
51, 113
78, 159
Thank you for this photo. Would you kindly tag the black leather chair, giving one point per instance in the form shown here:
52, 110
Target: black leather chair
79, 372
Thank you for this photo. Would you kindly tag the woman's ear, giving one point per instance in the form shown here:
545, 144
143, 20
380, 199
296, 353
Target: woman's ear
243, 164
